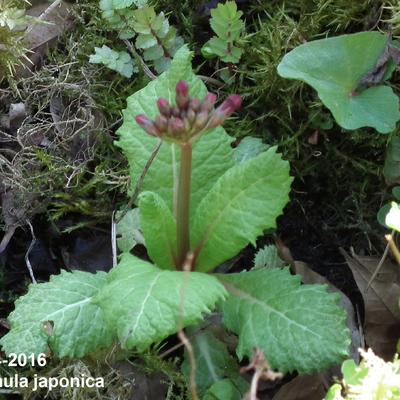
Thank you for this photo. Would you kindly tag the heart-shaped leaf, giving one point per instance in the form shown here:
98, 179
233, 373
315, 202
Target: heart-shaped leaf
334, 67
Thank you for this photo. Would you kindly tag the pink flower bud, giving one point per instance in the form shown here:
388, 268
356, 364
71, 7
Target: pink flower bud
227, 108
194, 104
208, 102
182, 94
191, 116
217, 118
176, 112
201, 120
230, 105
147, 125
161, 123
164, 107
176, 126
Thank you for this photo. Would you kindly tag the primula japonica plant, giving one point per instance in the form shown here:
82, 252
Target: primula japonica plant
198, 208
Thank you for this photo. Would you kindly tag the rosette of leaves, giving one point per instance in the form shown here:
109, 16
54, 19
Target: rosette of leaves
119, 61
349, 73
228, 26
138, 303
155, 37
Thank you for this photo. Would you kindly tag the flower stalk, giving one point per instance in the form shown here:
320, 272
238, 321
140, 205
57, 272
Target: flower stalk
183, 124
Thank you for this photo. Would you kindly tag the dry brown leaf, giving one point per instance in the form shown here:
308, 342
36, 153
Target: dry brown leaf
381, 301
304, 387
40, 36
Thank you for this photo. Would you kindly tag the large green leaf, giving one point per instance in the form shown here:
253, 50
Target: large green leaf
213, 363
146, 304
244, 202
299, 327
159, 229
334, 67
212, 154
59, 314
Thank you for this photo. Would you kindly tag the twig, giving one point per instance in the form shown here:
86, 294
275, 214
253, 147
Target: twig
393, 247
212, 81
379, 266
140, 181
134, 53
185, 341
262, 371
28, 264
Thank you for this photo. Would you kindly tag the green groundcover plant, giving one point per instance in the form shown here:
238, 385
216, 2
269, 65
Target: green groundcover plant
199, 205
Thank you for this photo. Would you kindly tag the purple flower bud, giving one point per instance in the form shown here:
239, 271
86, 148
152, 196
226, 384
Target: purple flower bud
187, 124
146, 124
208, 102
201, 120
161, 123
176, 126
182, 94
230, 105
191, 116
227, 108
164, 107
194, 104
176, 112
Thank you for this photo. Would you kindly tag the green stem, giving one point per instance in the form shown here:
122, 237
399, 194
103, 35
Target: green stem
183, 205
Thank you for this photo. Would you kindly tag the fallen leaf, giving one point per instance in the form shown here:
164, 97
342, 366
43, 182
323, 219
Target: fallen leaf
381, 301
40, 36
304, 387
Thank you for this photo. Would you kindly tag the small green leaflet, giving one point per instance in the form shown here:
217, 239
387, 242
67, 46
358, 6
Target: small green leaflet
244, 202
159, 229
64, 305
128, 230
156, 37
268, 257
227, 24
137, 146
145, 304
299, 327
213, 364
334, 67
119, 61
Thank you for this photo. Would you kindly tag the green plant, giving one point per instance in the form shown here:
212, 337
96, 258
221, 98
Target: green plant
198, 208
13, 21
155, 38
373, 379
348, 73
119, 61
227, 24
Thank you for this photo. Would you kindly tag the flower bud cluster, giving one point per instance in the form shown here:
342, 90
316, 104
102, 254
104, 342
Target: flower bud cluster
189, 117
